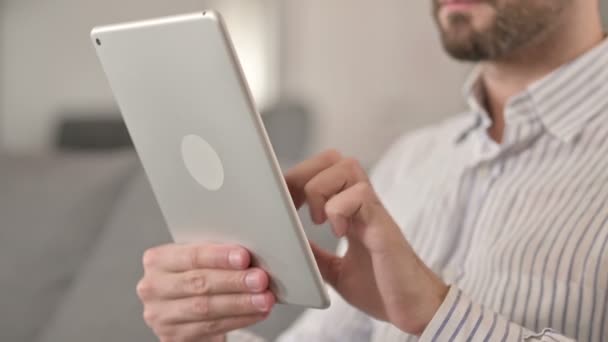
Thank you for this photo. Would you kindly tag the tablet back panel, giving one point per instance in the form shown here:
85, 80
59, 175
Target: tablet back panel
180, 89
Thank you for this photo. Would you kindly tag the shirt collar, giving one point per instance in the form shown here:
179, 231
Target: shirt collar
473, 92
564, 101
570, 96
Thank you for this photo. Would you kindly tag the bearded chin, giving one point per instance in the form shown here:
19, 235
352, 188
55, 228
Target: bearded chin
515, 26
462, 42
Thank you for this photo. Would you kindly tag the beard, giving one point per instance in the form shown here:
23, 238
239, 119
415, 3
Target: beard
516, 23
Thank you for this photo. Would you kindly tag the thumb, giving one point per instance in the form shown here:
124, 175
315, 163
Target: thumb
329, 264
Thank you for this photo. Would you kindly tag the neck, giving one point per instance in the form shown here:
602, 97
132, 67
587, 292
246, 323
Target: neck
502, 79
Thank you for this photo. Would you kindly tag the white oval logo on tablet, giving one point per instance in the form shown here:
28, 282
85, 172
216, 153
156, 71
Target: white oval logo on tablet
202, 162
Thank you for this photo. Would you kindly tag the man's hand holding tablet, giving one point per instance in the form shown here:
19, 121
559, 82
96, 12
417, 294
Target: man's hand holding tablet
197, 292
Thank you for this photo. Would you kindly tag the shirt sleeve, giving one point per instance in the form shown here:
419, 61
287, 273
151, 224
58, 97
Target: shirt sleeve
461, 319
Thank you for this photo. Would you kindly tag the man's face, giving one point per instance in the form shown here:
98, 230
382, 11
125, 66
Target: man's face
477, 30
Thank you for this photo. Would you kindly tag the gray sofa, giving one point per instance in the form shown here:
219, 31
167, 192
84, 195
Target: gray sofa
73, 229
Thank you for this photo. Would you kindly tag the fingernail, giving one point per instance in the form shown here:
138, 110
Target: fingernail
259, 301
236, 259
253, 281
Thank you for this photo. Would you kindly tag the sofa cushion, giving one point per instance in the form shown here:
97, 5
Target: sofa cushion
52, 210
102, 304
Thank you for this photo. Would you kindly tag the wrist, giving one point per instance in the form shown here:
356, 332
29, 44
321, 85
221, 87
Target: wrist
428, 308
424, 305
440, 293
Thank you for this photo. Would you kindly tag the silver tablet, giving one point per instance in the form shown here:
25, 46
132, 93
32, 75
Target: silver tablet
191, 116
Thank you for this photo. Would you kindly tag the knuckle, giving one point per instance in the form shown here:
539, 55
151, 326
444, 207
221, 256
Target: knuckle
212, 326
193, 256
166, 333
241, 280
353, 165
364, 189
145, 289
331, 155
331, 207
198, 284
150, 317
309, 188
200, 306
244, 304
149, 258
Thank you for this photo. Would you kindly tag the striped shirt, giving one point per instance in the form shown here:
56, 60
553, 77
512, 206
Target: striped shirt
519, 229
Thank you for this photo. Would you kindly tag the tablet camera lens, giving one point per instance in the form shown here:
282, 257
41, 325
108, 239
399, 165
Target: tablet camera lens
98, 41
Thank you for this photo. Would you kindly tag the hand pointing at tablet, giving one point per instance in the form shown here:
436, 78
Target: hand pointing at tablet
198, 293
380, 274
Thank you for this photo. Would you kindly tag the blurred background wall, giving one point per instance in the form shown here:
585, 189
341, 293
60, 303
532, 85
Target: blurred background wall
370, 70
48, 66
367, 70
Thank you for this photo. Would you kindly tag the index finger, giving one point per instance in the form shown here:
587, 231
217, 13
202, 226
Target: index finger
187, 257
297, 177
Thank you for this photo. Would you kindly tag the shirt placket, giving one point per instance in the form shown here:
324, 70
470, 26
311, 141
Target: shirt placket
486, 169
476, 182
